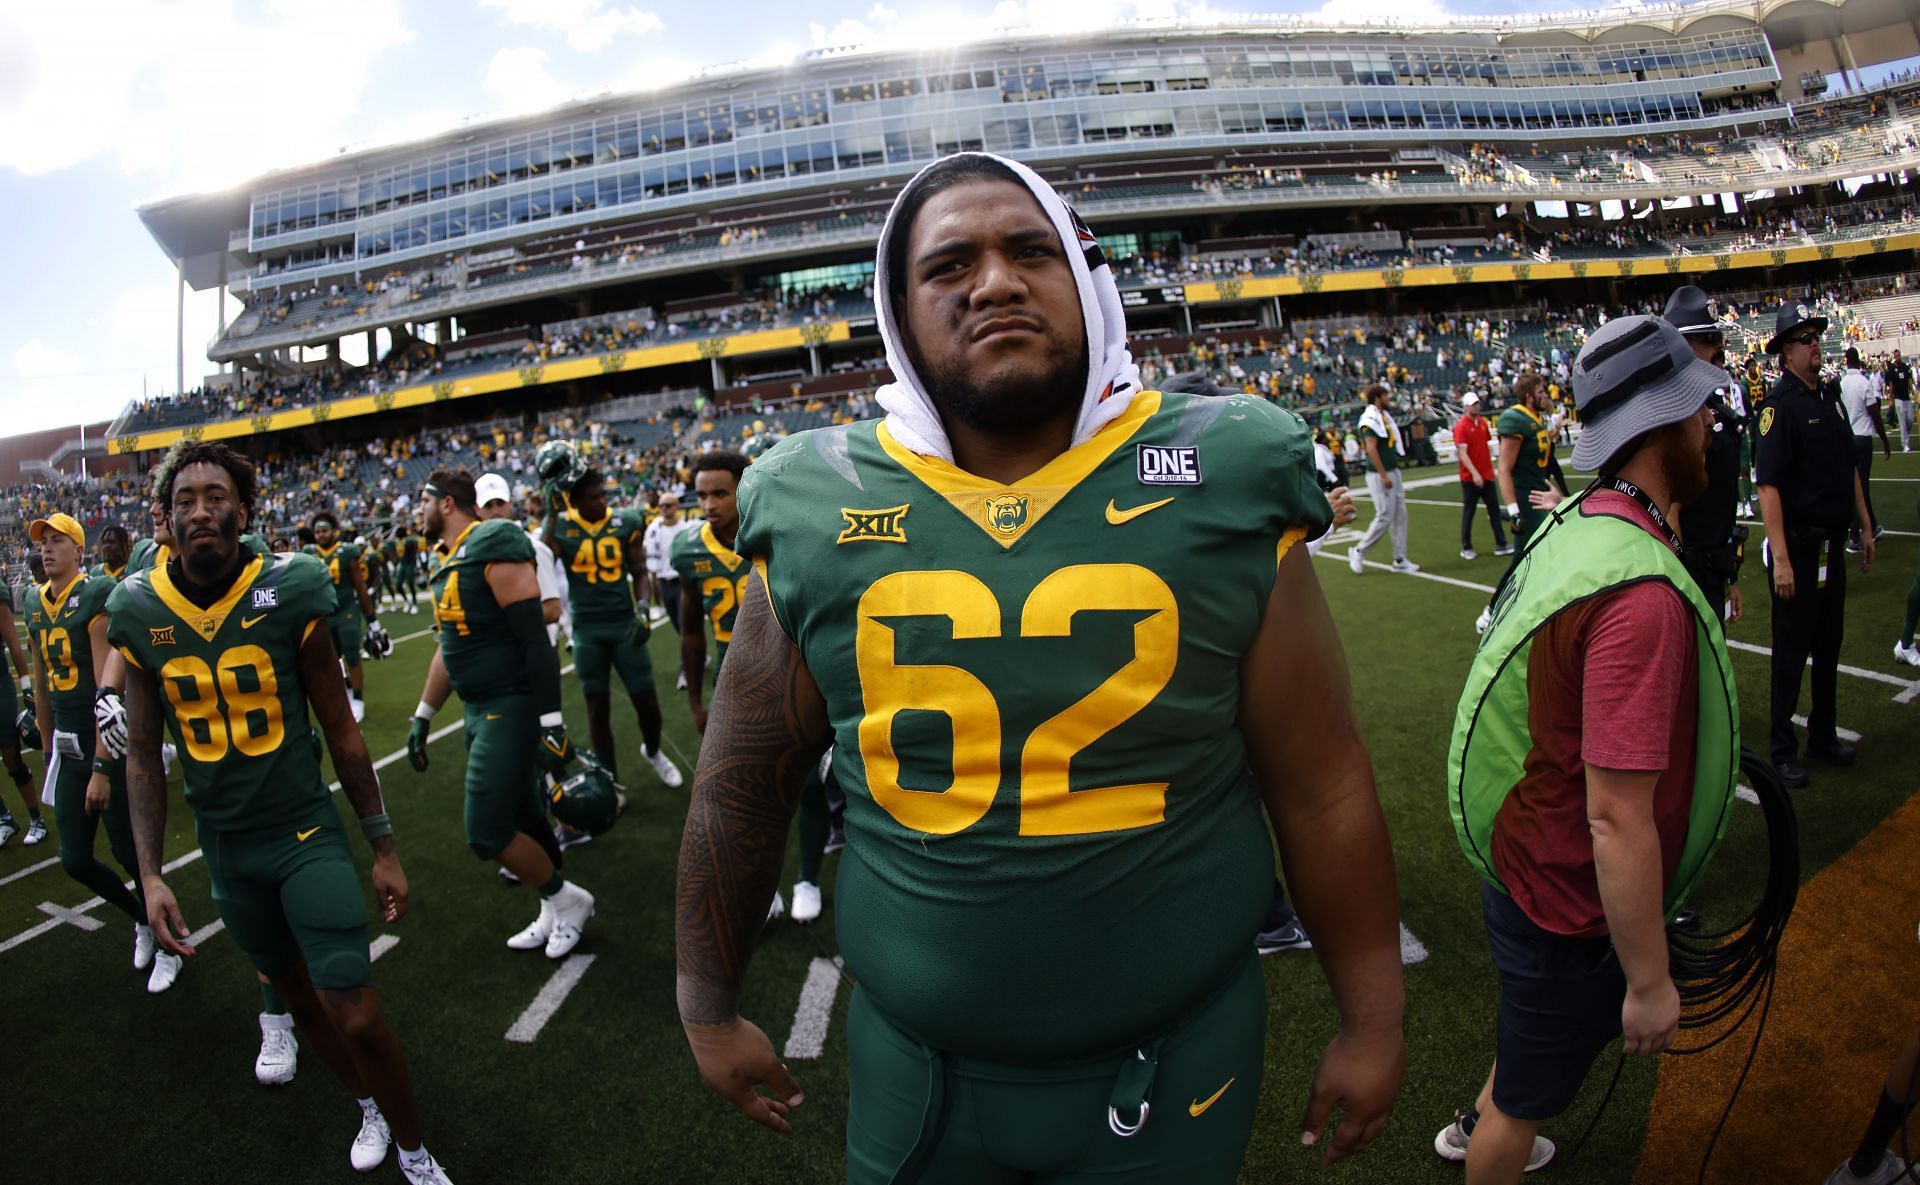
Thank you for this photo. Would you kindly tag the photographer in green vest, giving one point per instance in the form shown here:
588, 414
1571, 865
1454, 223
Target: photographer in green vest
1594, 750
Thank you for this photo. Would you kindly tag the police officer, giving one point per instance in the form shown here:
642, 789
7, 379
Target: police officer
1809, 493
1714, 540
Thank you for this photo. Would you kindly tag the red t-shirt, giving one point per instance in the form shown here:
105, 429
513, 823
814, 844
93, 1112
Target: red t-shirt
1470, 438
1611, 682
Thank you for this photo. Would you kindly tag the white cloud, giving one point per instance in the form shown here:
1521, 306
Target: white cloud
589, 25
517, 81
38, 360
153, 82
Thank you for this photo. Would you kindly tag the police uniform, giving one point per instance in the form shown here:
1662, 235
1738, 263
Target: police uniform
1804, 449
1708, 523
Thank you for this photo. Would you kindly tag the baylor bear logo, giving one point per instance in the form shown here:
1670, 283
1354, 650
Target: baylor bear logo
1007, 513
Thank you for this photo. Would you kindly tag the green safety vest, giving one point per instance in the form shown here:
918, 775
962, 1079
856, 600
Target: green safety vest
1575, 558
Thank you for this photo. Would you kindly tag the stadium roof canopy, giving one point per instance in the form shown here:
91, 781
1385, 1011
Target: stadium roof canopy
203, 232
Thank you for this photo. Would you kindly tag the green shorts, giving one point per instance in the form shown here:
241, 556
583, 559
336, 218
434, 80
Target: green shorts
349, 630
600, 648
503, 754
942, 1119
288, 899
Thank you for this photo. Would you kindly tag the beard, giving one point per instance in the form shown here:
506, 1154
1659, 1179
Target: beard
1008, 404
207, 565
1684, 468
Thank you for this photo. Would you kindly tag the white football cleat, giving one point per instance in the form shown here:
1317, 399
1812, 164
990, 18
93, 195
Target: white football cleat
166, 969
777, 907
1356, 561
1907, 654
36, 832
8, 829
423, 1171
806, 902
571, 906
168, 755
143, 947
279, 1052
370, 1145
359, 708
534, 937
668, 771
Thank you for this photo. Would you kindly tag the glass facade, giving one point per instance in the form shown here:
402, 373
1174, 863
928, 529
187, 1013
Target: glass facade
885, 115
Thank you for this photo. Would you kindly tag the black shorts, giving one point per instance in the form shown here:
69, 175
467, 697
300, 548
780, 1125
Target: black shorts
1560, 1004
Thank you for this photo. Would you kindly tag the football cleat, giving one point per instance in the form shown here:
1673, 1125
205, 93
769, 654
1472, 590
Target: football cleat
359, 707
279, 1052
1288, 935
571, 906
534, 937
1356, 561
423, 1170
8, 829
806, 902
166, 969
36, 832
143, 946
668, 771
167, 756
1901, 653
370, 1145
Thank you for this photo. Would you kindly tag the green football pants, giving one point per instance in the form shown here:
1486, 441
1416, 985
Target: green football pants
600, 649
503, 796
349, 630
78, 829
1178, 1111
289, 895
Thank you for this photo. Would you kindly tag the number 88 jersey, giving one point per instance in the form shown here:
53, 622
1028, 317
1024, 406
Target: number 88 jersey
229, 684
1054, 846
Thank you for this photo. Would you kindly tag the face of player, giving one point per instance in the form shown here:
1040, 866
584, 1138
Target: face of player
1539, 400
715, 489
162, 522
113, 550
59, 556
534, 507
432, 516
207, 520
991, 313
325, 533
591, 501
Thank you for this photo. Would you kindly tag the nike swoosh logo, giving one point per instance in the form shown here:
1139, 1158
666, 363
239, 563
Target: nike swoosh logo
1197, 1108
303, 836
491, 716
1116, 516
247, 623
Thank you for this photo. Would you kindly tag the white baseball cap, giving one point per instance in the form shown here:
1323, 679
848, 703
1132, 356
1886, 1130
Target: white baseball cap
491, 487
1469, 399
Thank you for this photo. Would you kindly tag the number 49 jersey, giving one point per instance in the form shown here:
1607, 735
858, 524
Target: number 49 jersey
230, 686
1055, 848
599, 589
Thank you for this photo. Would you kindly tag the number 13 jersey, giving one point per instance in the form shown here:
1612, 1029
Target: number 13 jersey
1055, 849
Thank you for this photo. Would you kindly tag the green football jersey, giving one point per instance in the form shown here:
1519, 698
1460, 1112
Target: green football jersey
230, 685
340, 561
482, 658
57, 634
1536, 448
114, 574
599, 587
144, 555
1055, 846
719, 572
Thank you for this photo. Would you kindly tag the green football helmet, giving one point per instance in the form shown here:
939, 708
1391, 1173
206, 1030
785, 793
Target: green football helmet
587, 799
555, 460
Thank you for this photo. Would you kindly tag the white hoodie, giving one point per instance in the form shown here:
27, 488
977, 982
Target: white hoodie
1112, 379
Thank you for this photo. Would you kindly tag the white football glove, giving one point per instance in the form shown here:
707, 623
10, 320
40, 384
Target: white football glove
377, 644
110, 721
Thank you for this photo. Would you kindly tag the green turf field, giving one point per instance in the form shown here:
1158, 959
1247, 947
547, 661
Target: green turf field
111, 1085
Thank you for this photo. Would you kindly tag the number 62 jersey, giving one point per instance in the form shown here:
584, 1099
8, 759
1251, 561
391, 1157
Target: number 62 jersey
1054, 846
229, 684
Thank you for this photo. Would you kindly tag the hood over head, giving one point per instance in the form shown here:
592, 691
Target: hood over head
1112, 379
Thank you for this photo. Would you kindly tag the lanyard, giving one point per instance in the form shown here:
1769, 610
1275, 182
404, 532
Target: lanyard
1619, 486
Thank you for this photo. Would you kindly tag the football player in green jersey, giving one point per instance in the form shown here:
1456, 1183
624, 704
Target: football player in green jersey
157, 546
86, 778
224, 647
373, 565
355, 623
607, 590
16, 724
114, 546
1068, 648
713, 581
494, 651
1525, 471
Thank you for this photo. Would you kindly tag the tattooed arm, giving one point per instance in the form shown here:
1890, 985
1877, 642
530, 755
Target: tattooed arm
327, 698
147, 804
768, 728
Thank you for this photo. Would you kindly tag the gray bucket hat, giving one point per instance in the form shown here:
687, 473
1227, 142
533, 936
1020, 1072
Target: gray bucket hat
1636, 374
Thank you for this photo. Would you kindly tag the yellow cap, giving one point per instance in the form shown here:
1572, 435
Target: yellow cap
63, 523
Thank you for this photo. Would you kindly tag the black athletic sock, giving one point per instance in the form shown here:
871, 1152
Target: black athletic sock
650, 734
1469, 1121
1887, 1118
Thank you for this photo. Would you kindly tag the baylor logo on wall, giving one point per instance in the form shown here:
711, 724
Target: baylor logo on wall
1231, 288
262, 422
442, 391
322, 413
530, 375
713, 347
612, 363
1312, 282
816, 333
1523, 271
384, 400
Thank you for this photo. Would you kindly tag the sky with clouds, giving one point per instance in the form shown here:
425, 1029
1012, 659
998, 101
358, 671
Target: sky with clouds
105, 104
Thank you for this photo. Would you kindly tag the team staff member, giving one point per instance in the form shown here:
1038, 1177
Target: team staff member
658, 545
1899, 375
1472, 441
1708, 524
86, 779
1024, 511
1380, 436
1862, 402
1599, 707
1809, 493
236, 638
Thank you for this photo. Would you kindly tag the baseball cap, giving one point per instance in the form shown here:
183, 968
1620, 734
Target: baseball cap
63, 523
491, 487
1469, 399
1634, 375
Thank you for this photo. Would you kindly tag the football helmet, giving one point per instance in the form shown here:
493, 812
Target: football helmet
555, 460
587, 799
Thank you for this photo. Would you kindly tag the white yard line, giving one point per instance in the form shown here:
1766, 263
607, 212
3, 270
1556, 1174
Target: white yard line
565, 978
205, 932
381, 946
1845, 734
1908, 690
815, 1012
29, 870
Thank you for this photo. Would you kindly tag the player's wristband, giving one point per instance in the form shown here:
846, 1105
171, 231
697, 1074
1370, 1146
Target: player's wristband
100, 766
551, 720
424, 710
376, 827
